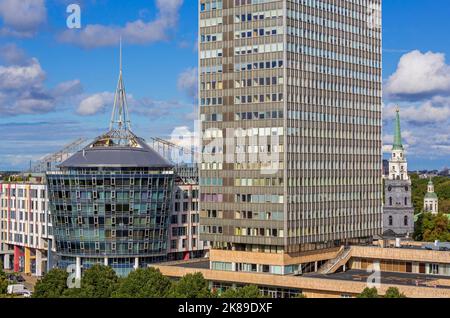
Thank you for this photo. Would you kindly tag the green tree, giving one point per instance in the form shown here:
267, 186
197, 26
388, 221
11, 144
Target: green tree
393, 292
52, 285
144, 283
3, 281
97, 282
430, 228
191, 286
249, 291
442, 189
369, 293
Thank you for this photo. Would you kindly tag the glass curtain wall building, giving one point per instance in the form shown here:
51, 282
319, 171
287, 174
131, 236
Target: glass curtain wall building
306, 73
111, 202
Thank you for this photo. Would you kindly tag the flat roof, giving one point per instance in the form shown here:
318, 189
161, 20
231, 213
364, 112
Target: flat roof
386, 278
201, 264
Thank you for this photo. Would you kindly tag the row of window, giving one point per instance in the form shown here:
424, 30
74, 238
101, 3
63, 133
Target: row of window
330, 39
258, 232
331, 24
332, 118
275, 114
211, 5
258, 16
211, 101
243, 34
259, 198
262, 65
251, 215
336, 9
206, 38
332, 55
256, 49
263, 98
331, 70
259, 81
258, 182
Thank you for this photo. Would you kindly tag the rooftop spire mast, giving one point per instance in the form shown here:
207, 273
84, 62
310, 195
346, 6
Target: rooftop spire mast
119, 119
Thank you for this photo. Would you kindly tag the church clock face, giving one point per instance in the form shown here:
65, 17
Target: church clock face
389, 188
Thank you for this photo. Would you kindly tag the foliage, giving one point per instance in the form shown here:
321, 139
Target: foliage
52, 285
249, 291
442, 189
191, 286
393, 292
3, 286
144, 283
430, 228
369, 293
97, 282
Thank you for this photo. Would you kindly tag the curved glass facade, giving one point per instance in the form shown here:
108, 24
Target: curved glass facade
113, 215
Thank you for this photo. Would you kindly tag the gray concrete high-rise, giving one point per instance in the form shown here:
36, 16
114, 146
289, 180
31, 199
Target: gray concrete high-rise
306, 77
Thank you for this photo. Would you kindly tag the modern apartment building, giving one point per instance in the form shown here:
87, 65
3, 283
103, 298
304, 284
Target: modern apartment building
111, 201
294, 89
26, 235
184, 242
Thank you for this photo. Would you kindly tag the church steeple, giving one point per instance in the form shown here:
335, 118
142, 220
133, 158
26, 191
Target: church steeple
398, 145
398, 167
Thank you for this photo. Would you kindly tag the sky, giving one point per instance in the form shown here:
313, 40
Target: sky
57, 84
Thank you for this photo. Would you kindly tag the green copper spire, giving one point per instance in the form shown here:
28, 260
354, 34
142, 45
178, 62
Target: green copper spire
398, 133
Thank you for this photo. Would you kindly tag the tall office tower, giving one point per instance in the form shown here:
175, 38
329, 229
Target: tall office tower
308, 72
111, 201
398, 210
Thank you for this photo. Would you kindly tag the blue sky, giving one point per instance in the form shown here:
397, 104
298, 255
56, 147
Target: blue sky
61, 81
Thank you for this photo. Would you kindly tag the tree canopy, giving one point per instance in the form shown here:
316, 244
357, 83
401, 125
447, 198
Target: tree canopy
369, 293
393, 292
52, 285
430, 228
144, 283
441, 187
98, 282
249, 291
3, 281
191, 286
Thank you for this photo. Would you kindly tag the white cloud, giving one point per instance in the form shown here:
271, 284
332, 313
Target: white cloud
22, 86
22, 18
101, 102
95, 103
18, 77
11, 54
435, 110
69, 88
420, 75
136, 32
188, 81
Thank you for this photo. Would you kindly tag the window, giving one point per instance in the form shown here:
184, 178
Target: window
390, 201
391, 220
405, 220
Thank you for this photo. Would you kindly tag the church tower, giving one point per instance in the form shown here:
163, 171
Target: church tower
431, 201
398, 211
398, 167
